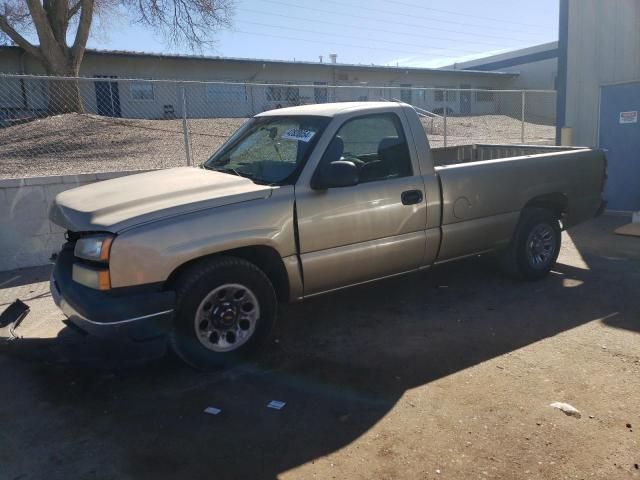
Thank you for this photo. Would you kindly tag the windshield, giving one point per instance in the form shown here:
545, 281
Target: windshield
269, 150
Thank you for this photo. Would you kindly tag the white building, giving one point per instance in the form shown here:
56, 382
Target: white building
114, 95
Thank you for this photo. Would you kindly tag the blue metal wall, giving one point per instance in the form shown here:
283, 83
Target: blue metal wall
622, 143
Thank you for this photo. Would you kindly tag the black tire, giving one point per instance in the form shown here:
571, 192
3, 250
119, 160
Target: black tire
527, 258
194, 287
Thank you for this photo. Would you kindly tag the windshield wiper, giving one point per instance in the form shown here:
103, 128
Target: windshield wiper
228, 170
233, 171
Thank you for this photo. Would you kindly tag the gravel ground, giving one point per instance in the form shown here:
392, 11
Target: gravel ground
443, 375
73, 143
487, 129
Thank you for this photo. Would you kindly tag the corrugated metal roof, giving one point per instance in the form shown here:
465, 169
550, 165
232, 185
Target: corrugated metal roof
349, 66
289, 62
510, 55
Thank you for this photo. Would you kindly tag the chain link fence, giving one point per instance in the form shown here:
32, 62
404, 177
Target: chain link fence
60, 126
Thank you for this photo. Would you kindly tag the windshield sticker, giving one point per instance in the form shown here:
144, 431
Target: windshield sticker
301, 134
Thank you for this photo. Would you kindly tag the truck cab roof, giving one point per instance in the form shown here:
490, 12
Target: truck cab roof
331, 109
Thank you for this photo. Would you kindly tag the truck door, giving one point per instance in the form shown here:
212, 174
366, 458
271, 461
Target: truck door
370, 230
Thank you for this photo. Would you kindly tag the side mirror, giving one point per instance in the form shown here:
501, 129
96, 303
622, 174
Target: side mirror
340, 173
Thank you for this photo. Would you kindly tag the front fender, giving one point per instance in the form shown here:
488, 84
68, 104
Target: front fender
149, 253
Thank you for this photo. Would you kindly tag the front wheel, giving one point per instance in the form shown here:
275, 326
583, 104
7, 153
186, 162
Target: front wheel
226, 308
535, 246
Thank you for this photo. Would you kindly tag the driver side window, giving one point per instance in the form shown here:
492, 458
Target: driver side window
375, 144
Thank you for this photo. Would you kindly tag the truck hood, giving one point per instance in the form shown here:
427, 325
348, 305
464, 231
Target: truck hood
114, 205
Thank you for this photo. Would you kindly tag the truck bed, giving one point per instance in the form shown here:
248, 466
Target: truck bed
478, 152
482, 200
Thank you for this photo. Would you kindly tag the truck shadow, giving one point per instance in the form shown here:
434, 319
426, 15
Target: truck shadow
341, 362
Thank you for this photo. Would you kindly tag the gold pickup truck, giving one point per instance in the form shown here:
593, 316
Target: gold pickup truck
298, 202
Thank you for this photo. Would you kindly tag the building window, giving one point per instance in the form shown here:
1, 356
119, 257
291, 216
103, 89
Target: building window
439, 95
222, 92
287, 94
142, 91
293, 94
320, 94
484, 96
274, 94
405, 93
343, 77
212, 92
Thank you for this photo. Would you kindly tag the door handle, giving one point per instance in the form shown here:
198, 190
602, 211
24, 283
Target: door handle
411, 197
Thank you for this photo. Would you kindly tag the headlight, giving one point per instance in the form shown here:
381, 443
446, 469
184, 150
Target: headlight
94, 247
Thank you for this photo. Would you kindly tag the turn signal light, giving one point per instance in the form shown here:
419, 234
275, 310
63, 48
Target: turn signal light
96, 278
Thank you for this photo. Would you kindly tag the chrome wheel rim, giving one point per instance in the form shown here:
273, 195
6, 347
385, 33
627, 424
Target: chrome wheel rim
541, 246
226, 318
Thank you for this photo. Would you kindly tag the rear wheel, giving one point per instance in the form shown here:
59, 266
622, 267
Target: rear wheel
226, 308
535, 246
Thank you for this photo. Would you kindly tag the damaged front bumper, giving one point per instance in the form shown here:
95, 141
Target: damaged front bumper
122, 312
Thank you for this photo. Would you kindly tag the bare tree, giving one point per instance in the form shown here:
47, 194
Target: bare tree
53, 22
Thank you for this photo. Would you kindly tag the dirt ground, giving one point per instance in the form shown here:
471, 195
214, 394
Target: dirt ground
445, 374
72, 143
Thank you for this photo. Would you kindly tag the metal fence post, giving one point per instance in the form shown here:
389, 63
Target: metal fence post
446, 106
185, 128
522, 123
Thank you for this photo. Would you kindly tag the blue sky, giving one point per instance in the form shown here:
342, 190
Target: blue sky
426, 33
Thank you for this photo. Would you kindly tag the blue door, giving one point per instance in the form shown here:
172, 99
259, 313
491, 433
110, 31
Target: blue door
620, 137
107, 97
